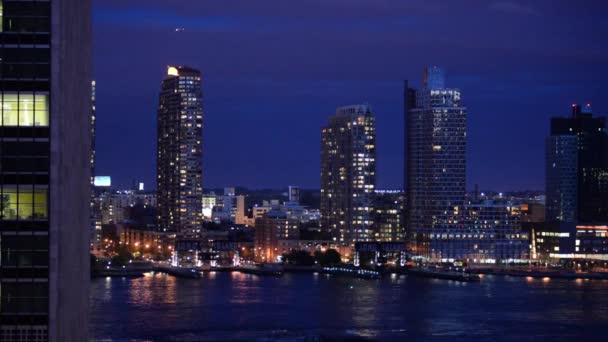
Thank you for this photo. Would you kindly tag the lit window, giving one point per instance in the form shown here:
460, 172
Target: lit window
25, 109
23, 203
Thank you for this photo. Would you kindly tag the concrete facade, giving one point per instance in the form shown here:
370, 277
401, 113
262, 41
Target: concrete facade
71, 75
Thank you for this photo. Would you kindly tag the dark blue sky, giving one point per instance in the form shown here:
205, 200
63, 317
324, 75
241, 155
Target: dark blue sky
274, 70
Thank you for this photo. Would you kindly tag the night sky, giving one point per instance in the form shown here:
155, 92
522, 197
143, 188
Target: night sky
274, 70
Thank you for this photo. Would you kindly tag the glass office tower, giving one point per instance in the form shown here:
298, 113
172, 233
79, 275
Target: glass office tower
436, 167
348, 174
561, 178
45, 98
577, 168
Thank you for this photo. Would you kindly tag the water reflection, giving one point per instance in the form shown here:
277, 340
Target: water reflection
233, 306
152, 289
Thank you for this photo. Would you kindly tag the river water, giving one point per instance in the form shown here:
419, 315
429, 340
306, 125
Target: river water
303, 307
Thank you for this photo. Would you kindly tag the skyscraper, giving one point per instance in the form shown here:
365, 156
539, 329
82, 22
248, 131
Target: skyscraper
348, 174
179, 148
436, 166
577, 168
562, 178
45, 98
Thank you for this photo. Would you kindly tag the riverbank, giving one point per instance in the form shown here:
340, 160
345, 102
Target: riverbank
471, 275
540, 274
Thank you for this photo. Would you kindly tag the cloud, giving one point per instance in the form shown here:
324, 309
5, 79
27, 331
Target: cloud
512, 7
170, 18
163, 19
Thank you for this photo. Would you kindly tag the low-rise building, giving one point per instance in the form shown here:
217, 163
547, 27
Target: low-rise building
269, 229
493, 234
145, 240
569, 241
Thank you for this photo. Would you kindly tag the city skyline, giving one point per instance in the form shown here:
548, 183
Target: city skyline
347, 136
255, 101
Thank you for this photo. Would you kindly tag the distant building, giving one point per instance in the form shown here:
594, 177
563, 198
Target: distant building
293, 194
141, 214
577, 168
565, 240
436, 167
591, 242
209, 202
577, 189
348, 174
179, 155
96, 234
96, 226
388, 215
138, 238
494, 235
259, 211
241, 213
311, 246
269, 229
112, 204
226, 208
562, 178
550, 239
532, 212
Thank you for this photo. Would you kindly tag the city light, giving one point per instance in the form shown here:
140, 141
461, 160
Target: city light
299, 139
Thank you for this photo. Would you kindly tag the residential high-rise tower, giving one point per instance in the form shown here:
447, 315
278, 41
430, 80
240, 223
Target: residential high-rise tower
348, 174
179, 148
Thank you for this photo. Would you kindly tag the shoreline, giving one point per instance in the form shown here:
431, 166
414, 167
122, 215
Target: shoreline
540, 274
469, 276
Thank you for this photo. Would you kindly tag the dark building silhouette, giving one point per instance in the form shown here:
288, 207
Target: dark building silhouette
179, 148
45, 149
348, 174
577, 168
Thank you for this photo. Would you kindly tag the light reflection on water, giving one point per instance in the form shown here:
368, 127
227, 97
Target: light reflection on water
236, 306
153, 289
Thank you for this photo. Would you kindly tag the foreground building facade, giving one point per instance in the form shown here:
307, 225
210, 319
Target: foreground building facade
45, 145
348, 174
